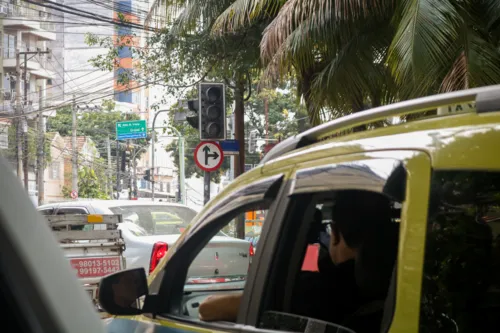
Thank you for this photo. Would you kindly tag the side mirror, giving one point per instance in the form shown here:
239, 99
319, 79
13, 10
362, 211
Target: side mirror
119, 293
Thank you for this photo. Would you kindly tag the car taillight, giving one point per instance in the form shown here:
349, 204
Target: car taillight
159, 250
251, 251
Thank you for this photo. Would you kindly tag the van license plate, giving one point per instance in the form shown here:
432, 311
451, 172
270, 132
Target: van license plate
95, 267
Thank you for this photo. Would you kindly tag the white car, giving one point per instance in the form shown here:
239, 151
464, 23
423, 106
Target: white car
150, 228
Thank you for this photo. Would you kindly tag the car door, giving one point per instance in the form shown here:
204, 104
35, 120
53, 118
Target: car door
403, 174
177, 300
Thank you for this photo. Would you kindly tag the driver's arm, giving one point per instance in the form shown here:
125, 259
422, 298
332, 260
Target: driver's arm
220, 307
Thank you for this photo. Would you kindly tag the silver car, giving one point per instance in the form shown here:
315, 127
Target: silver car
149, 229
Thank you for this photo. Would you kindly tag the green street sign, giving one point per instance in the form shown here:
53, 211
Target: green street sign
134, 129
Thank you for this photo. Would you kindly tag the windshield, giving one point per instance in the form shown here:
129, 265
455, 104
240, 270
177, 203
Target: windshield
151, 220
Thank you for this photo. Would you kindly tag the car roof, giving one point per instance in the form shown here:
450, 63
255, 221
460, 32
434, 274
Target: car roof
479, 125
38, 266
104, 205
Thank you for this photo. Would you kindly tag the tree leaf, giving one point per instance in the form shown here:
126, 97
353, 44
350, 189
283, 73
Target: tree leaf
425, 31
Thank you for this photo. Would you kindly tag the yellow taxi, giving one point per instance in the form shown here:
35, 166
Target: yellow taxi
441, 173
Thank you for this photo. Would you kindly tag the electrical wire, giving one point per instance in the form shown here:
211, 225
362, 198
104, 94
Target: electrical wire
88, 15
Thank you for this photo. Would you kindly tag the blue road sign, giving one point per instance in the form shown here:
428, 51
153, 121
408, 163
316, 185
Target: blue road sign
230, 147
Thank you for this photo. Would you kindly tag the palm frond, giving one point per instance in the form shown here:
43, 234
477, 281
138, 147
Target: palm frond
484, 61
298, 49
492, 13
194, 15
355, 71
426, 29
242, 13
458, 76
318, 18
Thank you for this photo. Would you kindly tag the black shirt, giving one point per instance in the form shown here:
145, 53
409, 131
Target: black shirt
331, 296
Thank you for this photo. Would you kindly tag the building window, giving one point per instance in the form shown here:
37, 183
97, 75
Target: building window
9, 44
54, 170
461, 278
4, 137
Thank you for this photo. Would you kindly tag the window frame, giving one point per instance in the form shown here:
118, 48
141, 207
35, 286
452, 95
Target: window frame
416, 162
169, 287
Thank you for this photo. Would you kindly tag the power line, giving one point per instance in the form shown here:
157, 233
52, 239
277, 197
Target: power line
88, 15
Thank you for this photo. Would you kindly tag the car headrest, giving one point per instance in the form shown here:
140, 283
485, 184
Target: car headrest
375, 261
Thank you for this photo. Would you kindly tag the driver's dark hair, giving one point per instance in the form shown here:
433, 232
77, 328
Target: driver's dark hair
357, 213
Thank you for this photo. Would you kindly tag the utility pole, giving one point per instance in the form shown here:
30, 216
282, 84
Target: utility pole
74, 171
181, 159
153, 138
110, 184
266, 112
19, 145
22, 133
134, 161
182, 171
118, 169
25, 126
129, 172
41, 144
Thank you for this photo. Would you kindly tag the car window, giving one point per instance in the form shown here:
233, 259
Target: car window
335, 204
63, 211
207, 263
155, 220
47, 211
461, 278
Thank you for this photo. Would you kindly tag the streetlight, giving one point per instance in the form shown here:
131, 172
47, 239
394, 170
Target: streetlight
181, 159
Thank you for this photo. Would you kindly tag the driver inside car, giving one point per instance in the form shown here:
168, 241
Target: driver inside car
357, 216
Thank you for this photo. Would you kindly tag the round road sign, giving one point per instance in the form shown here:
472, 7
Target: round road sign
74, 194
208, 156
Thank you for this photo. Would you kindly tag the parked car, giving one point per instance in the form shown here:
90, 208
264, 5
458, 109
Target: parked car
434, 265
39, 291
149, 229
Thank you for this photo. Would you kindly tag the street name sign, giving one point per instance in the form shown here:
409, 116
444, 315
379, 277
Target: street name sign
230, 147
134, 129
208, 156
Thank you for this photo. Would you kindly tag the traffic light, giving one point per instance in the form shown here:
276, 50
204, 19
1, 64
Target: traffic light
147, 176
212, 111
125, 159
192, 116
252, 142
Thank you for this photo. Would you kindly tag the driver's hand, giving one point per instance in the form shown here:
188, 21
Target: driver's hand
220, 307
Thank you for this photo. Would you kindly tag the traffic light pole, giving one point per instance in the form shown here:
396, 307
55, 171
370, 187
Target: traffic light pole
206, 188
181, 159
117, 169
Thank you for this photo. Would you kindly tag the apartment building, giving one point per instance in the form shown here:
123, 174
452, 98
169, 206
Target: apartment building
26, 28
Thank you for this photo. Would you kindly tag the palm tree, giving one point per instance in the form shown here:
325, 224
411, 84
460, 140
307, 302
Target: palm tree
336, 50
349, 53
